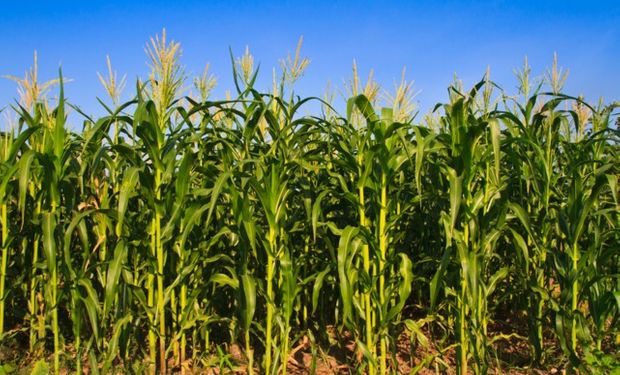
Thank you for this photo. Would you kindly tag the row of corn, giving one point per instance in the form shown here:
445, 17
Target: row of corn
176, 227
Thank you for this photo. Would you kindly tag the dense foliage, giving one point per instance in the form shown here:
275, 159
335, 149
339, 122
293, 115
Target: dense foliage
176, 226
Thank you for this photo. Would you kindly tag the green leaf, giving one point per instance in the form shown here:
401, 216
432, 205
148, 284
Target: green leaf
49, 240
316, 289
127, 190
249, 300
347, 247
40, 368
114, 274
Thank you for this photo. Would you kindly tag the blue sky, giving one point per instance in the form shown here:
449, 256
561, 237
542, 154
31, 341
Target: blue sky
433, 40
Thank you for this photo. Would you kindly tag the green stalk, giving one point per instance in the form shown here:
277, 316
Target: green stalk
54, 281
101, 231
37, 331
115, 140
33, 299
383, 251
367, 304
78, 341
249, 352
462, 331
305, 292
284, 353
150, 303
182, 304
541, 303
5, 255
54, 298
575, 296
463, 339
270, 297
39, 312
175, 326
160, 280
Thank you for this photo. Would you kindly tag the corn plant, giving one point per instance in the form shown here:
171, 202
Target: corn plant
474, 221
369, 288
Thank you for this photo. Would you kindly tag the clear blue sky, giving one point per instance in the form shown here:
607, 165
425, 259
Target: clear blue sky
433, 40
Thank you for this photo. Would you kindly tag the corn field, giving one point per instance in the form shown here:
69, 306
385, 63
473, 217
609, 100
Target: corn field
180, 233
